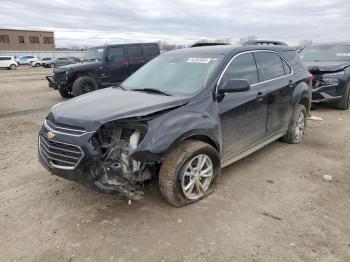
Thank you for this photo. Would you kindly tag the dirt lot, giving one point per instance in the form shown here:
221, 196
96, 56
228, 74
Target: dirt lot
45, 218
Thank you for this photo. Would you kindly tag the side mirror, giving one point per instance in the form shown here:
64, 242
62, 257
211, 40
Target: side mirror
233, 86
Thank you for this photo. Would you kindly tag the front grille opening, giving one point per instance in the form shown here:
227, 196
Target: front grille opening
59, 154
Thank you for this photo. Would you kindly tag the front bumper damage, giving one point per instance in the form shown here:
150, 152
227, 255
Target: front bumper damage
101, 160
328, 85
326, 93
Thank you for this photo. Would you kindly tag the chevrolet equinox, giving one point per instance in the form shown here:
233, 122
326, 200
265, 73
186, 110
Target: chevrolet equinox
180, 118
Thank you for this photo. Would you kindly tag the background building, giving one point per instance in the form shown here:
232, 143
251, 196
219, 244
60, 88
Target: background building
23, 40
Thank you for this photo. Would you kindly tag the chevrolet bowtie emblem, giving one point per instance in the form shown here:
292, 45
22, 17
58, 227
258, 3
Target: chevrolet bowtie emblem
50, 135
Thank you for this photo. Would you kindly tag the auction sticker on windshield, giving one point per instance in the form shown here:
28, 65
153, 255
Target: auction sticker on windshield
198, 60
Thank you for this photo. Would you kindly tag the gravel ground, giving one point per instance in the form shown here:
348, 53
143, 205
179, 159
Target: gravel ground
274, 205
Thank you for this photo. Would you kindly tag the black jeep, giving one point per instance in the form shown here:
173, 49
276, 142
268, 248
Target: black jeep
102, 67
182, 117
330, 66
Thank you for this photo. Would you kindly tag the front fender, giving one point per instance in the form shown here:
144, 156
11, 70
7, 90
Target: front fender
165, 132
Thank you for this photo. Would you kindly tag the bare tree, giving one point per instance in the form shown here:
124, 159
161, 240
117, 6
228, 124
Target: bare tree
242, 40
304, 43
165, 46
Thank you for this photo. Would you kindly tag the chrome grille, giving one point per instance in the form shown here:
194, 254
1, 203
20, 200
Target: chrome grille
65, 129
58, 154
60, 76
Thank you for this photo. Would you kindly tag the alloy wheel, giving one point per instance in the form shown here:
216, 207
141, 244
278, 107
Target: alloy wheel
300, 127
87, 87
197, 176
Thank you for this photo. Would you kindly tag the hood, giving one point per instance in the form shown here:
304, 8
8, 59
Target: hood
78, 66
326, 66
92, 110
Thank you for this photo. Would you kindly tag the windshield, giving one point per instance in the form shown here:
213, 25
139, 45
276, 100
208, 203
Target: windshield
46, 58
181, 74
94, 54
330, 53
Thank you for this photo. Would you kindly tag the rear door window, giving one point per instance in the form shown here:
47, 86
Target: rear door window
269, 65
5, 58
116, 54
242, 67
150, 50
134, 52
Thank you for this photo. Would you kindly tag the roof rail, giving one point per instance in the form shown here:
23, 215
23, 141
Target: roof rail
264, 42
207, 44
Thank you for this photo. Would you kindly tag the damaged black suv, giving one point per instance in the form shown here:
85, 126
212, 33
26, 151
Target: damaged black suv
180, 118
330, 66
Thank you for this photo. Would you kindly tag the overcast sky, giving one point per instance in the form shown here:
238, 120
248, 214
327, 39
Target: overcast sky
87, 22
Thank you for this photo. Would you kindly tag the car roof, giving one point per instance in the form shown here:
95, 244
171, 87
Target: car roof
229, 49
104, 46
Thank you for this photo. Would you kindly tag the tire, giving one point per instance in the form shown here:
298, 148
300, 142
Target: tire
65, 93
13, 67
83, 85
37, 65
52, 65
172, 173
297, 126
344, 103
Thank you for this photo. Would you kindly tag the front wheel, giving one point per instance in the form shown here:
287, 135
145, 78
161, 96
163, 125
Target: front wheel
297, 126
344, 103
13, 67
83, 85
188, 172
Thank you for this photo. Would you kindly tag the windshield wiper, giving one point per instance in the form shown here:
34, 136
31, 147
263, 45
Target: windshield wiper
119, 86
152, 90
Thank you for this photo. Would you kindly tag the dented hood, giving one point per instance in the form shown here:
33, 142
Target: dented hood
326, 66
92, 110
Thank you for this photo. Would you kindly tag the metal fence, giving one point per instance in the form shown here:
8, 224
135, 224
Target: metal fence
41, 54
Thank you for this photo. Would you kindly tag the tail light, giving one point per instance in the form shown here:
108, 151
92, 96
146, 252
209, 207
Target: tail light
125, 62
310, 79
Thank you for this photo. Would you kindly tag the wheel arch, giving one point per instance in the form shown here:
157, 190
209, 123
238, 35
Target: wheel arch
78, 74
199, 136
302, 94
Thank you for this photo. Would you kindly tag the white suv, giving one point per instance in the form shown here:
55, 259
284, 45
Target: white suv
8, 62
26, 59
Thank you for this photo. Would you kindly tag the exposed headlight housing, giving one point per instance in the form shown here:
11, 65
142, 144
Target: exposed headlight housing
331, 80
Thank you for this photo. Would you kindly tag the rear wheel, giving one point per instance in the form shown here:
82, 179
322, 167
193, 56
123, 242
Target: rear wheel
297, 126
37, 65
83, 85
187, 172
344, 103
65, 93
